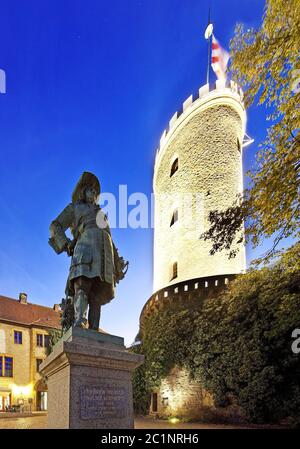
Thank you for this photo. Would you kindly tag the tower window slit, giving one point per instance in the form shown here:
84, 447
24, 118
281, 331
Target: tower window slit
174, 217
174, 167
174, 271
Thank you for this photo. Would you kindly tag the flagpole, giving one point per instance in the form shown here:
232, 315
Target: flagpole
208, 51
208, 48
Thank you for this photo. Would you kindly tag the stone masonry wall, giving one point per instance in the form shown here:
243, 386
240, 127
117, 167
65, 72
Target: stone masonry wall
183, 398
178, 396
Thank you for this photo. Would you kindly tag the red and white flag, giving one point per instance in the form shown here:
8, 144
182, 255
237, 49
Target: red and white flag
219, 59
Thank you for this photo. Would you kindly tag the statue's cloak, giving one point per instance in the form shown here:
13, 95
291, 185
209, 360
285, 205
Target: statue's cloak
94, 253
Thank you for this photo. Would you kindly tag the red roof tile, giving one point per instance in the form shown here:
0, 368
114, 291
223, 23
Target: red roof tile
28, 314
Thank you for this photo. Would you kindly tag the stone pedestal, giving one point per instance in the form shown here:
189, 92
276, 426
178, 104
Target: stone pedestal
89, 382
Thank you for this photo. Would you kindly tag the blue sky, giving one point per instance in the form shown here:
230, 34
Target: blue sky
90, 86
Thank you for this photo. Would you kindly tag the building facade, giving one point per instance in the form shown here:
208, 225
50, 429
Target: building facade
198, 169
24, 337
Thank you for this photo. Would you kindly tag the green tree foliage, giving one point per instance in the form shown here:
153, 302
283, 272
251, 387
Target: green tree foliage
243, 344
54, 336
140, 386
236, 345
266, 63
164, 344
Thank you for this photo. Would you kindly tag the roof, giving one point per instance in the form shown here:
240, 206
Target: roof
28, 314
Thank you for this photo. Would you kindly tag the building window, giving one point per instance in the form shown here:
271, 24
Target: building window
18, 337
154, 402
38, 362
6, 366
46, 340
174, 273
165, 402
39, 340
174, 217
174, 167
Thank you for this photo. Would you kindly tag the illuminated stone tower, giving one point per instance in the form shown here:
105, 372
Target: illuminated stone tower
199, 160
198, 168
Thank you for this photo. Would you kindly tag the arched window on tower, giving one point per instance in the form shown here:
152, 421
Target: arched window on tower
174, 217
174, 271
174, 167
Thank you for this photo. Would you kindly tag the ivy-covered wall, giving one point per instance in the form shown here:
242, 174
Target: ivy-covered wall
236, 345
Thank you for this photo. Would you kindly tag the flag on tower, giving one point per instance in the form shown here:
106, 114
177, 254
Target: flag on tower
219, 59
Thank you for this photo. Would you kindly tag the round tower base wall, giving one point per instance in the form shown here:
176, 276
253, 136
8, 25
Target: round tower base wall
179, 396
182, 398
190, 291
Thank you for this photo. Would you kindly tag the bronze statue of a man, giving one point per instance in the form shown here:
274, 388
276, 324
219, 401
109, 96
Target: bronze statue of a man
95, 265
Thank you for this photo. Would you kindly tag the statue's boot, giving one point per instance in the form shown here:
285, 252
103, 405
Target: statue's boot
80, 307
94, 315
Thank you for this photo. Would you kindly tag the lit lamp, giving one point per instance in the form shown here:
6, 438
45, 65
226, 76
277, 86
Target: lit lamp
174, 420
21, 391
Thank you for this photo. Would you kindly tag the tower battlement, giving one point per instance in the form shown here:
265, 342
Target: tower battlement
219, 89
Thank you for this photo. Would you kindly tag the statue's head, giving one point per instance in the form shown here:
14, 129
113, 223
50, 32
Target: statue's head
87, 189
90, 195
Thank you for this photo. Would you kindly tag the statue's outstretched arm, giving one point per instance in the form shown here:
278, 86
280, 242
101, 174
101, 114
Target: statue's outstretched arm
58, 239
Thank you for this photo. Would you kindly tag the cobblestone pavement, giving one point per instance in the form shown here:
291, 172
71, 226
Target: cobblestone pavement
39, 422
148, 423
28, 422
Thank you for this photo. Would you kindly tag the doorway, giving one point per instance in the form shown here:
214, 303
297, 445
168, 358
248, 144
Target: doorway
154, 402
41, 401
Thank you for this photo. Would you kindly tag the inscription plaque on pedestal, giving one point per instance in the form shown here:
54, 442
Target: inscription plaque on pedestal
102, 402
